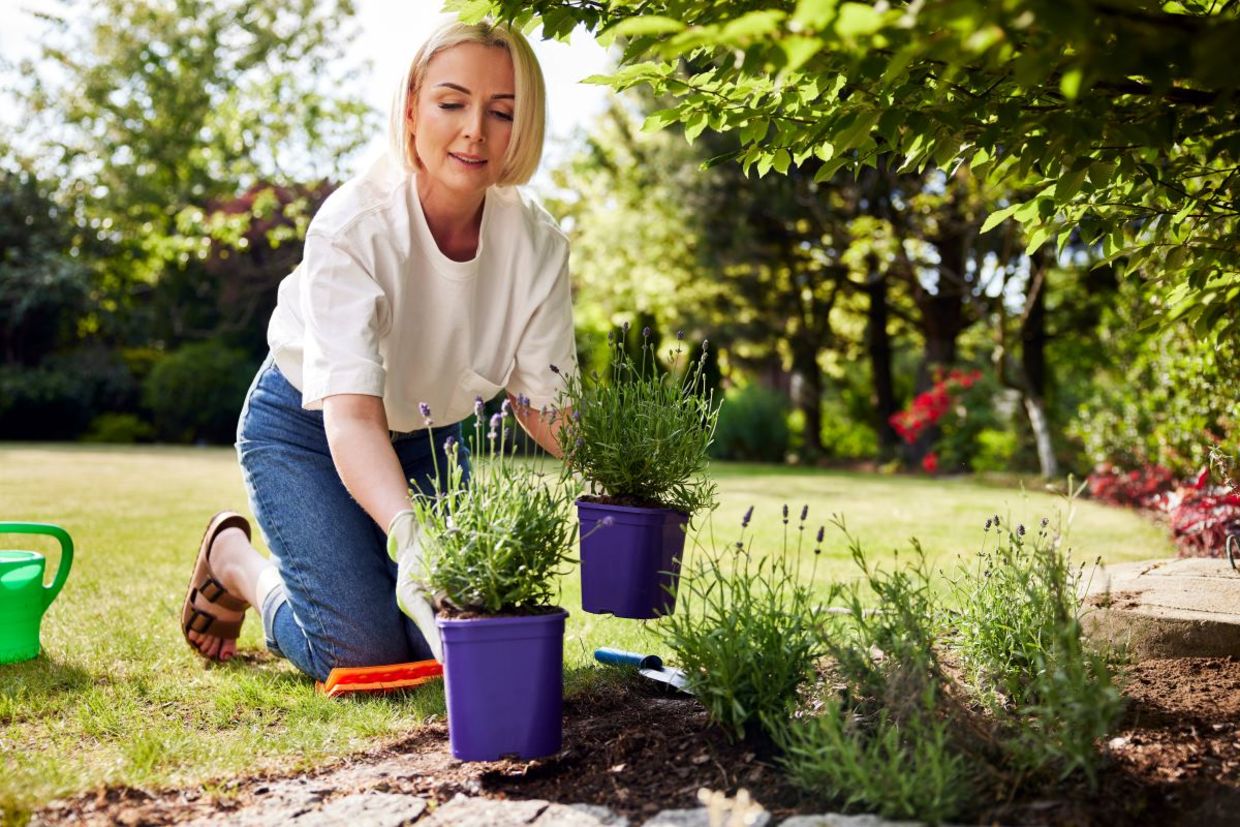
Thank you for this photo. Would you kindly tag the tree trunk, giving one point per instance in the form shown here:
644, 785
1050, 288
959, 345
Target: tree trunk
1033, 365
878, 340
809, 400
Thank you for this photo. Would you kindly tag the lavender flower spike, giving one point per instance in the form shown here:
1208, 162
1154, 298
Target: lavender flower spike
497, 419
555, 369
748, 515
646, 332
478, 406
505, 407
425, 410
680, 335
821, 530
804, 512
449, 444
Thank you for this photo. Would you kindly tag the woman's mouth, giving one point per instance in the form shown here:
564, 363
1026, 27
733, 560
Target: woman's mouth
471, 161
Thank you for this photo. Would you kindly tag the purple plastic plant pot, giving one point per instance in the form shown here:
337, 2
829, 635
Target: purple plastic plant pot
630, 568
504, 681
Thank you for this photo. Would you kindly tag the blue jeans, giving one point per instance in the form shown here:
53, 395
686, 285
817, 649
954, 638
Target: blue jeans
337, 605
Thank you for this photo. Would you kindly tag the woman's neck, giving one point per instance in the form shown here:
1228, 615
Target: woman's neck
454, 222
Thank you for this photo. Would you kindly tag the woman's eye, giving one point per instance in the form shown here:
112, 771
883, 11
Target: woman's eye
449, 106
503, 116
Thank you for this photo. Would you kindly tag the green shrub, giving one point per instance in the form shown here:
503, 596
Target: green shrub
746, 631
753, 426
120, 428
996, 450
195, 393
59, 398
642, 436
1168, 401
499, 541
1017, 630
885, 745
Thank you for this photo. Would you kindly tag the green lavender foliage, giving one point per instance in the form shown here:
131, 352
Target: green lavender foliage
642, 433
1018, 631
884, 744
497, 541
747, 631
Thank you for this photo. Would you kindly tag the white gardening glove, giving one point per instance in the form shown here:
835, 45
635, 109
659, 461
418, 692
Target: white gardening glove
411, 594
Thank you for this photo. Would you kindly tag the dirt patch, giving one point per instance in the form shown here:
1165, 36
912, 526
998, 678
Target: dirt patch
1173, 760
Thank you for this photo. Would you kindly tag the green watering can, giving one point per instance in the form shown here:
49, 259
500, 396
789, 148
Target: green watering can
23, 597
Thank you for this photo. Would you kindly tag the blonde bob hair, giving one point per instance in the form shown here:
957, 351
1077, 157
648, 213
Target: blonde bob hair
529, 107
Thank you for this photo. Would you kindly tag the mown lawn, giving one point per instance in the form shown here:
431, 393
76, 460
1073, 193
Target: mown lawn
118, 698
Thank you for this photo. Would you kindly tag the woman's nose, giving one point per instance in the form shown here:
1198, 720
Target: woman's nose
473, 126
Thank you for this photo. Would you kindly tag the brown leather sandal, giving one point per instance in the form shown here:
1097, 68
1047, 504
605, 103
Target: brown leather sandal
204, 583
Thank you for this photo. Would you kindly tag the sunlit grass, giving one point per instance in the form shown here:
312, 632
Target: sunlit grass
117, 696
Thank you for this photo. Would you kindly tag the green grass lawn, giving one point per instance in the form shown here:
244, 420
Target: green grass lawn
118, 698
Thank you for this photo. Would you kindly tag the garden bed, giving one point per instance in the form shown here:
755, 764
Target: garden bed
1174, 759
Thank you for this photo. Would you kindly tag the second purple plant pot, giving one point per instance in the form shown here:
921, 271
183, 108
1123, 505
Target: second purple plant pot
504, 682
630, 568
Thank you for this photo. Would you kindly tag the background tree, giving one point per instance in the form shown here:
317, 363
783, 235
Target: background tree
1122, 114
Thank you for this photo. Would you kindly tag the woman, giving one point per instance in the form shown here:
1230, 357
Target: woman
428, 280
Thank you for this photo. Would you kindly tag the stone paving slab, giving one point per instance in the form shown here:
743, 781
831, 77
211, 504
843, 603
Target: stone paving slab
1166, 608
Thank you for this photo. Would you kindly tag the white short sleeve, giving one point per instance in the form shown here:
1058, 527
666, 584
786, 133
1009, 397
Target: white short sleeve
548, 340
344, 310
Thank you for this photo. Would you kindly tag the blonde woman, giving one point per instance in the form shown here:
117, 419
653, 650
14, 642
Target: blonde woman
431, 278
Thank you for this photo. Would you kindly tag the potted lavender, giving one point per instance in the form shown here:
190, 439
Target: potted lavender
493, 545
639, 437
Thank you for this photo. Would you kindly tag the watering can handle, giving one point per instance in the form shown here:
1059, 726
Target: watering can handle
66, 552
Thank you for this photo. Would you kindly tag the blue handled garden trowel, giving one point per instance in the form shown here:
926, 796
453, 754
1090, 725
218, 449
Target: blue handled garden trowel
648, 666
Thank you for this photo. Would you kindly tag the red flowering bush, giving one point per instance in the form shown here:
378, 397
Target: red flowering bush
1146, 487
929, 407
1202, 517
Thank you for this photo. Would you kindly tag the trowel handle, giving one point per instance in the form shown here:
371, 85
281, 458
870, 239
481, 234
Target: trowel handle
66, 552
619, 657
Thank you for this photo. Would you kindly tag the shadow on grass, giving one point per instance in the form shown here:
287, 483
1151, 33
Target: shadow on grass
28, 686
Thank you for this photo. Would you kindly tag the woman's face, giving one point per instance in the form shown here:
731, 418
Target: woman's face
462, 118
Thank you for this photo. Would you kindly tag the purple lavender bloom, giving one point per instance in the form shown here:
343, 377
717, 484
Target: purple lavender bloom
576, 415
680, 335
555, 369
804, 512
505, 407
625, 327
478, 406
785, 513
449, 444
821, 530
425, 410
580, 442
646, 332
748, 515
496, 419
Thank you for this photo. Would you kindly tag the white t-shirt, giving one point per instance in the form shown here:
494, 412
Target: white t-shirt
375, 308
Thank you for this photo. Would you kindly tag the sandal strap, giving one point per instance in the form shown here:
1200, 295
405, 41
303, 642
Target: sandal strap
202, 622
214, 592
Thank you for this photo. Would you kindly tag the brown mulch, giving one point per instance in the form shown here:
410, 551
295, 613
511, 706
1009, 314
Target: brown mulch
1173, 760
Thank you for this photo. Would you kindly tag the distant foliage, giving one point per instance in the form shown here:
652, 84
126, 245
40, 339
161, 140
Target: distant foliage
196, 392
58, 398
1145, 487
1203, 515
753, 426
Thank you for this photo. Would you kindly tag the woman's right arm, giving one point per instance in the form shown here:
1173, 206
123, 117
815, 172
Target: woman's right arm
361, 448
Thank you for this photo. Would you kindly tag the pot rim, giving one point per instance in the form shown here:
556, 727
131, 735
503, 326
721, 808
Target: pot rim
504, 620
630, 509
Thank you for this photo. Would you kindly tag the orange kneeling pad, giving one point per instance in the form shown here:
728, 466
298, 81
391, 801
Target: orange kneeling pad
341, 681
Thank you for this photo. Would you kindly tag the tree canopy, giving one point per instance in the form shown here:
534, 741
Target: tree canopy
1111, 121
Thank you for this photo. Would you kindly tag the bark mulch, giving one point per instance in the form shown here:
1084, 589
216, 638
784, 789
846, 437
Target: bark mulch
1174, 760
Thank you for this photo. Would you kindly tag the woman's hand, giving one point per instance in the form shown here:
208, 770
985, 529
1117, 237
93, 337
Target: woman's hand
361, 447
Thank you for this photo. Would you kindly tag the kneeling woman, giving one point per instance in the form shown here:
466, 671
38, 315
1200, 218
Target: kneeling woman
429, 279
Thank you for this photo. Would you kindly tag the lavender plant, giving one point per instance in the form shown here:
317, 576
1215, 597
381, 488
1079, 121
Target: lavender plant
1017, 629
885, 743
747, 632
494, 542
641, 437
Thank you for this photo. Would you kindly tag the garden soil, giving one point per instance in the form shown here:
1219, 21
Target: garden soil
1173, 760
